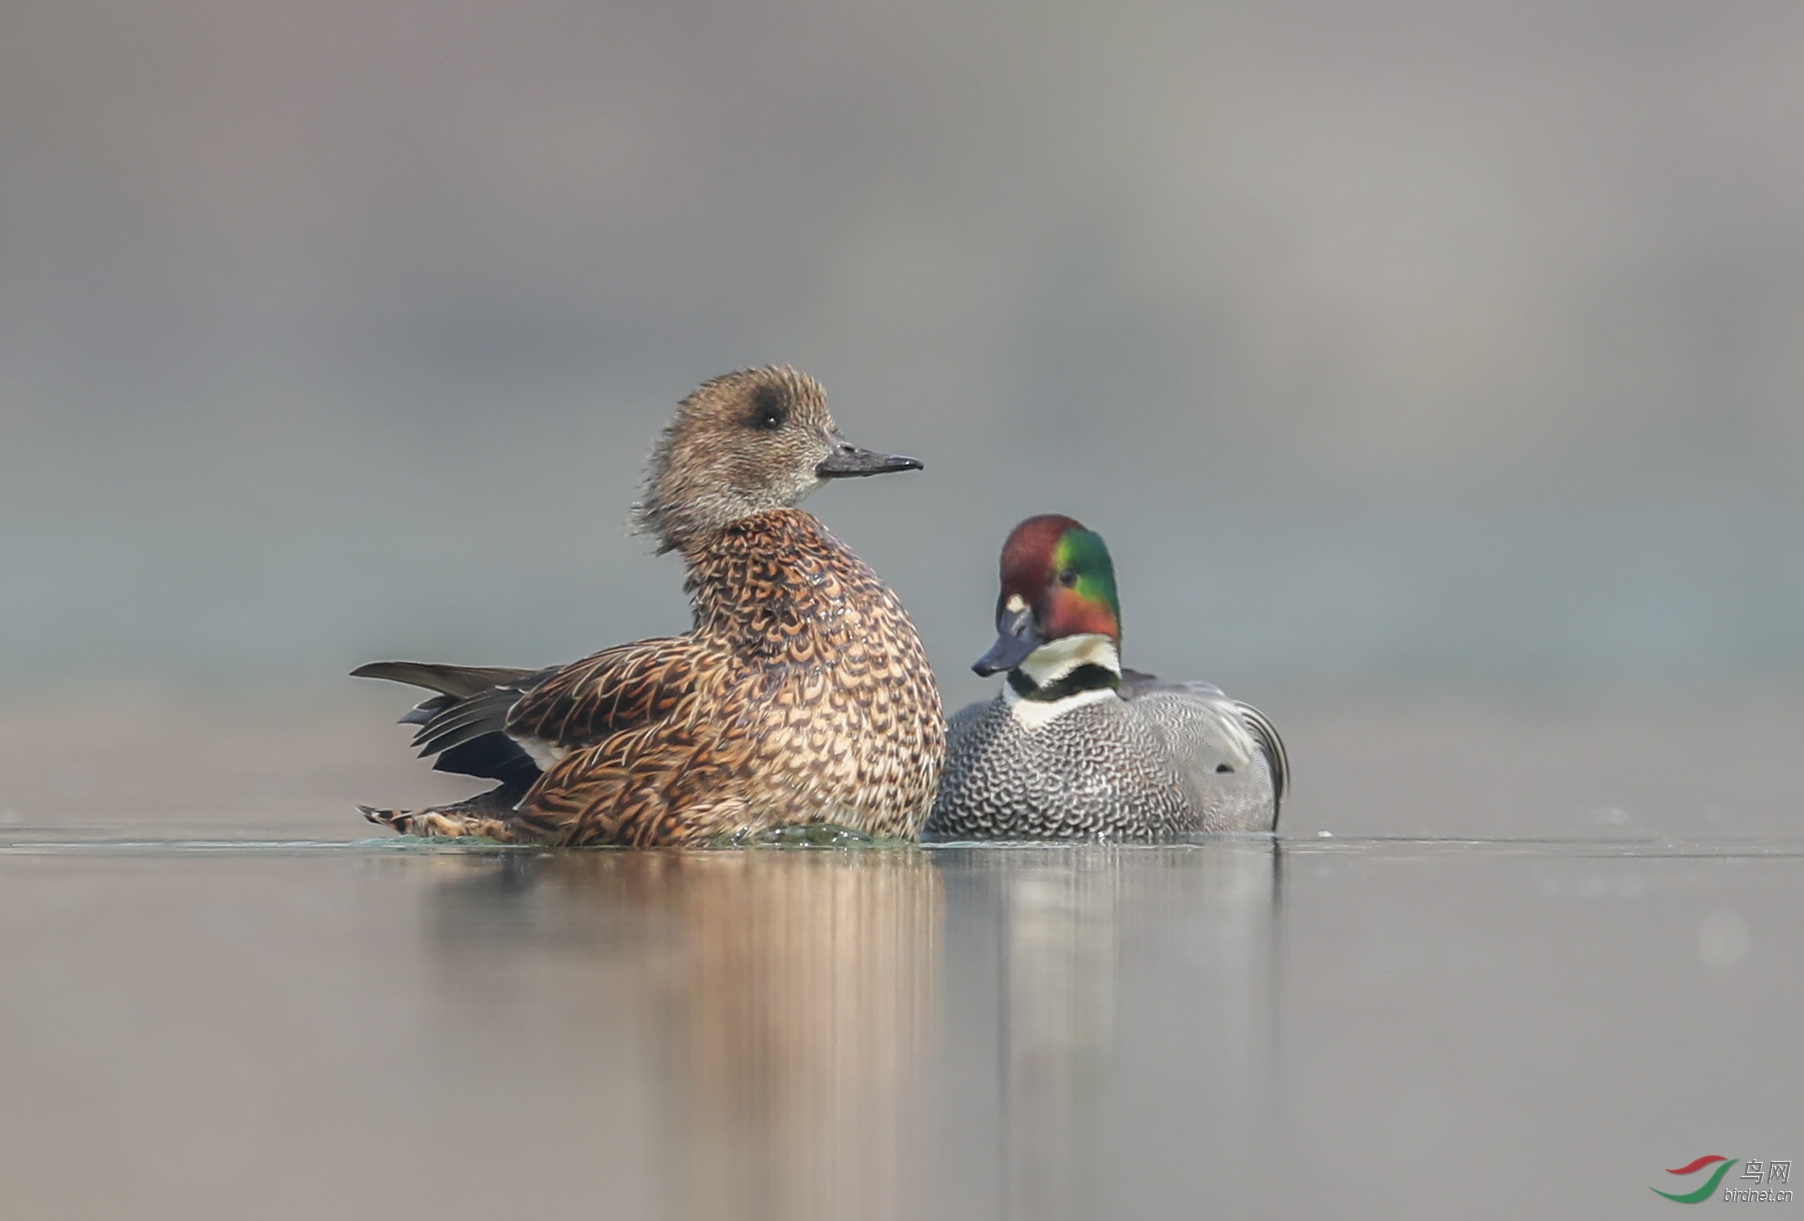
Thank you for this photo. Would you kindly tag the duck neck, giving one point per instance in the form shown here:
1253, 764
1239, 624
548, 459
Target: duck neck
764, 574
1067, 667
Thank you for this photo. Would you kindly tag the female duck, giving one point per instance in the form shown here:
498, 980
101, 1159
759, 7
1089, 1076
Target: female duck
801, 694
1075, 746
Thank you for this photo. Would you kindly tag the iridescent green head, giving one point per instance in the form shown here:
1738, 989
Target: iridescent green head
1057, 582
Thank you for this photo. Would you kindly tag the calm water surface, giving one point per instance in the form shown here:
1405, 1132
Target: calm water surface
235, 1007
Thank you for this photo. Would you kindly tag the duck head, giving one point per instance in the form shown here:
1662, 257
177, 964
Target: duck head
1057, 618
746, 443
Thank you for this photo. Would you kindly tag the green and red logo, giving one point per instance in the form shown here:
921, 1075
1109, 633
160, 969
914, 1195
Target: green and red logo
1708, 1189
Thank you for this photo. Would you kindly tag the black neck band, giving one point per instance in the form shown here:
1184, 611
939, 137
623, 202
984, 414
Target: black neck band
1087, 677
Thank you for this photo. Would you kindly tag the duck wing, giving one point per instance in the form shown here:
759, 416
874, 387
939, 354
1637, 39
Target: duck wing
1195, 713
1277, 759
514, 725
618, 689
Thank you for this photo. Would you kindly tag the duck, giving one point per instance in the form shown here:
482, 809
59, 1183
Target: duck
800, 696
1074, 746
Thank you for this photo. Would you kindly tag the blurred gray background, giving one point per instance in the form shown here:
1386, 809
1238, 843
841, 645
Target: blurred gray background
1403, 344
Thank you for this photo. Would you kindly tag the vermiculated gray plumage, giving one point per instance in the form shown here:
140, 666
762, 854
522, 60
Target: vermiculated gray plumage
1156, 761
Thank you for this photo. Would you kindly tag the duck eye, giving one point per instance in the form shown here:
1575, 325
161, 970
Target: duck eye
1068, 578
769, 411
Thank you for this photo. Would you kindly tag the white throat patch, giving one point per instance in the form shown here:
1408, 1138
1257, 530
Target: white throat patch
1037, 714
1051, 662
1057, 658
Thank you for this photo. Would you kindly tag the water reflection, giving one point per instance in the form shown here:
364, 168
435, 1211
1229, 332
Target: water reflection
1077, 928
782, 1007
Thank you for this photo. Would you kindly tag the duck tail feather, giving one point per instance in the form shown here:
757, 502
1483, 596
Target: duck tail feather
458, 682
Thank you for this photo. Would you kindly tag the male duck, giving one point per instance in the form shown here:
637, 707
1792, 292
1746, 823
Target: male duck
1075, 746
801, 695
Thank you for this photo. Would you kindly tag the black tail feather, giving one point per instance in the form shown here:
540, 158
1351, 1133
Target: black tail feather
464, 724
459, 682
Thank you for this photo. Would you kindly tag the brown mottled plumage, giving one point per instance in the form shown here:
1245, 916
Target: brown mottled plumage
801, 695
